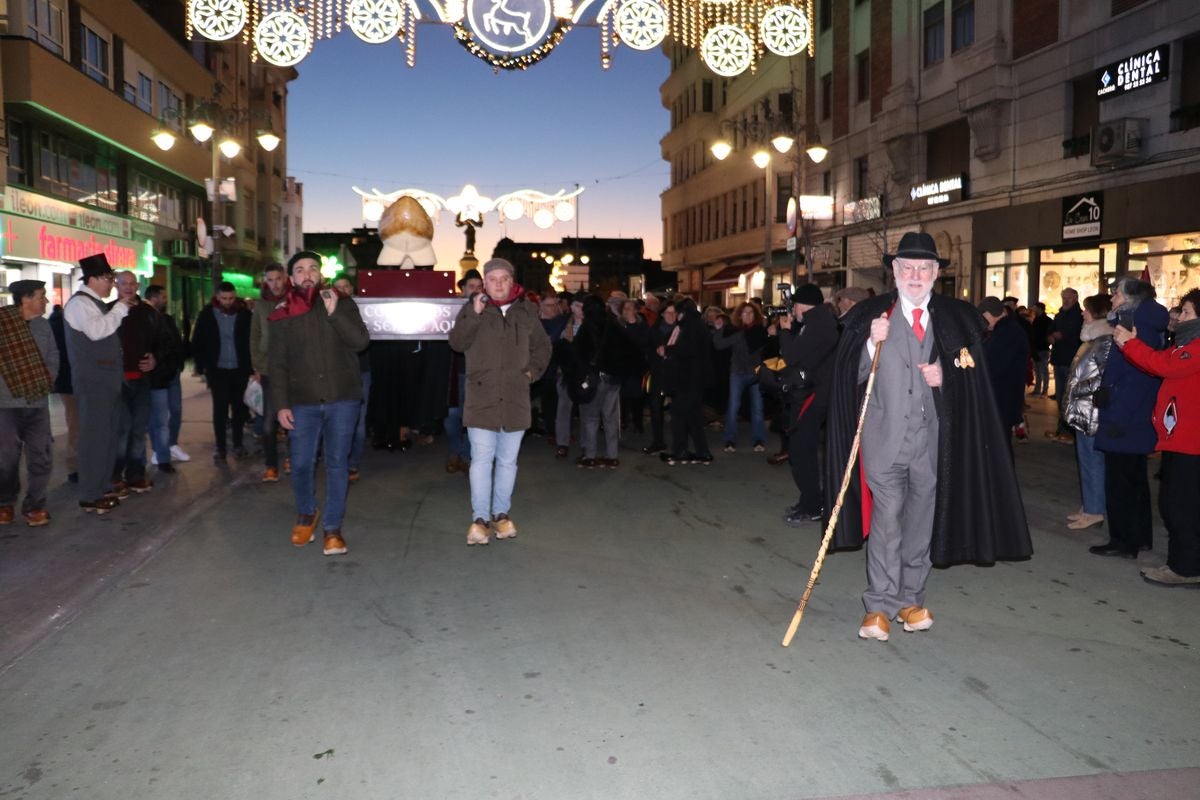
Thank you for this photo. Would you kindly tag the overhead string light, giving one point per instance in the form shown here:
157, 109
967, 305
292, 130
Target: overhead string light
410, 28
605, 57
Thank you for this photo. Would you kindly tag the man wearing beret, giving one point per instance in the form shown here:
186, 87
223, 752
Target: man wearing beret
94, 348
28, 367
507, 349
929, 487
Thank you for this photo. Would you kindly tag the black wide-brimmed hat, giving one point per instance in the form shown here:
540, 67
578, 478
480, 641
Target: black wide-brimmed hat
917, 246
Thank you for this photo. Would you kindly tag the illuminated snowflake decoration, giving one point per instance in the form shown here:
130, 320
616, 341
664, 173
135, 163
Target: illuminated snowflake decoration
283, 38
374, 21
642, 24
218, 19
727, 50
785, 30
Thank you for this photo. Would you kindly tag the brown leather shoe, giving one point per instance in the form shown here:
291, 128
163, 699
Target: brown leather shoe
505, 528
119, 490
777, 458
6, 515
915, 618
140, 486
270, 475
36, 519
478, 532
353, 475
874, 626
101, 506
335, 545
303, 531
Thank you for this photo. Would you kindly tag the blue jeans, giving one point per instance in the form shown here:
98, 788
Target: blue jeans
1041, 372
166, 412
333, 422
360, 430
737, 385
1091, 473
458, 444
493, 495
131, 430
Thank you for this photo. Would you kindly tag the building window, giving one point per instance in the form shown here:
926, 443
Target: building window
1187, 115
94, 60
862, 178
45, 24
948, 150
783, 192
962, 25
170, 107
827, 95
862, 74
706, 96
787, 111
826, 16
18, 163
935, 34
826, 183
66, 170
1085, 113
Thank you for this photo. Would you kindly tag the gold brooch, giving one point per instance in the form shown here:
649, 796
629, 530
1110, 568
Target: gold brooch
964, 360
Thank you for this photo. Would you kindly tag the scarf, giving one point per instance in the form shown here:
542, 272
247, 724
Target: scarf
1186, 332
296, 302
22, 367
516, 292
1095, 329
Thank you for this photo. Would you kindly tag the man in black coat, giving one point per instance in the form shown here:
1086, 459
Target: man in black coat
807, 341
1007, 350
1068, 324
221, 346
929, 486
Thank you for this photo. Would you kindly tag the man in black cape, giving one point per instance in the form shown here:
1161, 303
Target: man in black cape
934, 483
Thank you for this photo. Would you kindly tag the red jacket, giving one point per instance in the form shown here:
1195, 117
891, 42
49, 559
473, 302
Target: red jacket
1178, 396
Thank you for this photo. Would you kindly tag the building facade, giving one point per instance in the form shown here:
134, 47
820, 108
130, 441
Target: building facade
85, 85
1043, 143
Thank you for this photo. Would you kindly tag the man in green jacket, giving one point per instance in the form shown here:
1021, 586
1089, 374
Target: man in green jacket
315, 336
507, 349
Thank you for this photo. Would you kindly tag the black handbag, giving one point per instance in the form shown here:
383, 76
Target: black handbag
582, 384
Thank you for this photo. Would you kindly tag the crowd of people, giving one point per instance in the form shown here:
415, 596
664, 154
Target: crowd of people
784, 382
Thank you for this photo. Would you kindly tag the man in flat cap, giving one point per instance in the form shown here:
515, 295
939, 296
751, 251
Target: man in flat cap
94, 347
28, 367
933, 488
507, 349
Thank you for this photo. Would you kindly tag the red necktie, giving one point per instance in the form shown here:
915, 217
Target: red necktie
918, 328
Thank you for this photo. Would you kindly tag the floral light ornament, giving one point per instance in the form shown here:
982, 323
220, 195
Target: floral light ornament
374, 21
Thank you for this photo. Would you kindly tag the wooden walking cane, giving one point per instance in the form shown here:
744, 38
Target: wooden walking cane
837, 506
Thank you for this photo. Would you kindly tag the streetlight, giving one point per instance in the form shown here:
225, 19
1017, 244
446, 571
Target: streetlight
208, 119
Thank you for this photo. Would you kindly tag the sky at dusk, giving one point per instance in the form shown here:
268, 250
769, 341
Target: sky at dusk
359, 116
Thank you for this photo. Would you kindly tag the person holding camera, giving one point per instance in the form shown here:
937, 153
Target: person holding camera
316, 384
808, 338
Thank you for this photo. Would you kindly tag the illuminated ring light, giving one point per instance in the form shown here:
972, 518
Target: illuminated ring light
642, 24
513, 210
218, 19
727, 50
374, 21
564, 211
785, 31
543, 218
283, 38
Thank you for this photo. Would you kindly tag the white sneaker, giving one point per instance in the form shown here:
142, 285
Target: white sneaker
154, 458
178, 454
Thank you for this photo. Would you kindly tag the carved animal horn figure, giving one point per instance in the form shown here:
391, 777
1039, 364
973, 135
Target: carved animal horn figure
407, 235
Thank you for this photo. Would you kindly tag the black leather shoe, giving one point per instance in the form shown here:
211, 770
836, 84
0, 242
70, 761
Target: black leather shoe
1111, 549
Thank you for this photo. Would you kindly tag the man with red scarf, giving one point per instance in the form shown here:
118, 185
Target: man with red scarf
507, 349
221, 345
316, 383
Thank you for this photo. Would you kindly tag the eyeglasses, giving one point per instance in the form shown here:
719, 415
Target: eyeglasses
916, 269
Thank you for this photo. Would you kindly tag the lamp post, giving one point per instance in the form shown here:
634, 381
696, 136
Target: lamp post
211, 122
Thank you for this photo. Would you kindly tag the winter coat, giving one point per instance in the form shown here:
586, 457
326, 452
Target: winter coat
1007, 349
1087, 368
172, 353
505, 353
746, 344
1069, 323
312, 357
1129, 396
206, 338
692, 354
810, 345
1179, 395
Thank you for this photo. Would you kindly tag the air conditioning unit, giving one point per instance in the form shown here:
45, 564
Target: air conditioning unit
181, 248
1116, 141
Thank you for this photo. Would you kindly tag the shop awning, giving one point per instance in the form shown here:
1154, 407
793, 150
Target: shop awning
727, 276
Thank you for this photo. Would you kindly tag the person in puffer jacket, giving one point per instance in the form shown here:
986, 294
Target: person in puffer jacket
1080, 412
1178, 440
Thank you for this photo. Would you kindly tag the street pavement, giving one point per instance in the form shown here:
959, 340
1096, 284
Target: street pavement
625, 645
